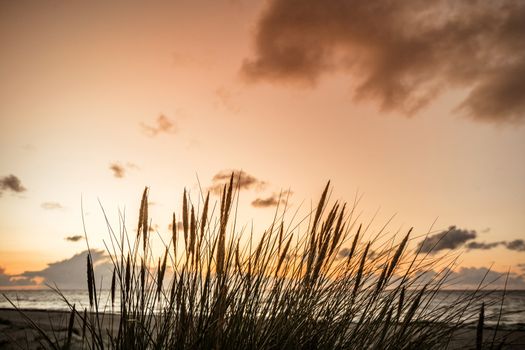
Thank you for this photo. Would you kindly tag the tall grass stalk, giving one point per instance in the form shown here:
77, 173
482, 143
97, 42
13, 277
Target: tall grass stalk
292, 288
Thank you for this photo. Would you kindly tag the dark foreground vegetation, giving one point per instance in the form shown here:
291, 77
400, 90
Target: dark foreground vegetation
323, 282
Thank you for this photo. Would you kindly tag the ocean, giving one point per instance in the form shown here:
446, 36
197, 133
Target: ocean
513, 305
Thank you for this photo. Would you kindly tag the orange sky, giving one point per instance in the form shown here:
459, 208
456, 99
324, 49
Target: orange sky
82, 86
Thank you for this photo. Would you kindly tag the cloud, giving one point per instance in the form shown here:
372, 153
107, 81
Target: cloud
180, 226
51, 205
71, 273
344, 252
401, 54
118, 170
241, 179
271, 201
74, 238
7, 280
471, 277
153, 228
66, 274
454, 238
225, 98
11, 183
450, 239
482, 245
162, 125
517, 244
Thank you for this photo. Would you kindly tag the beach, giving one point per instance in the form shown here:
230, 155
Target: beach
16, 332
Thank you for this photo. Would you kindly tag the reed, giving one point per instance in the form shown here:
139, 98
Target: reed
292, 288
479, 328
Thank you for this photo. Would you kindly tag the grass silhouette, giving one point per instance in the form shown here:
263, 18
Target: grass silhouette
216, 288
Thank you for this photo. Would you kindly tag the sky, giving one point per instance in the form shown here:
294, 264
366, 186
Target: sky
416, 108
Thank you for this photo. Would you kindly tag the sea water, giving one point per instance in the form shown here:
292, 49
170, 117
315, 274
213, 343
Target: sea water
513, 308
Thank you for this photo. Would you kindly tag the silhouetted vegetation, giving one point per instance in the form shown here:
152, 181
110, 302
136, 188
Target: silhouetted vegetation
320, 284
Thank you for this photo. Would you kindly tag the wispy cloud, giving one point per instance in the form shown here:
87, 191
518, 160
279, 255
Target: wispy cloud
11, 183
180, 226
153, 228
74, 238
51, 205
225, 98
402, 54
162, 125
241, 179
271, 201
119, 170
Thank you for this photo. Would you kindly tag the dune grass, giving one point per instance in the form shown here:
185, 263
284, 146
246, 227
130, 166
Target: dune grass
323, 286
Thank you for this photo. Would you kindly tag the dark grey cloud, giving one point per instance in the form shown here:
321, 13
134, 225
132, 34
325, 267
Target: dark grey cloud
11, 183
482, 245
517, 244
454, 238
402, 54
162, 125
51, 205
74, 238
271, 201
241, 179
450, 239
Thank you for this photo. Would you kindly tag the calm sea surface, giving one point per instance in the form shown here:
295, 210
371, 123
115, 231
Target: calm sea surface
513, 305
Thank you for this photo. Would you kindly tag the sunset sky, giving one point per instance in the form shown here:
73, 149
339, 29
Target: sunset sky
418, 107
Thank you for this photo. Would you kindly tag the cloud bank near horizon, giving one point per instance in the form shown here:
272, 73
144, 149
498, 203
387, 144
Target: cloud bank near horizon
71, 274
66, 274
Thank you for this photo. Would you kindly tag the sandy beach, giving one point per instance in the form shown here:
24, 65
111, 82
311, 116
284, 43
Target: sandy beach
16, 332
